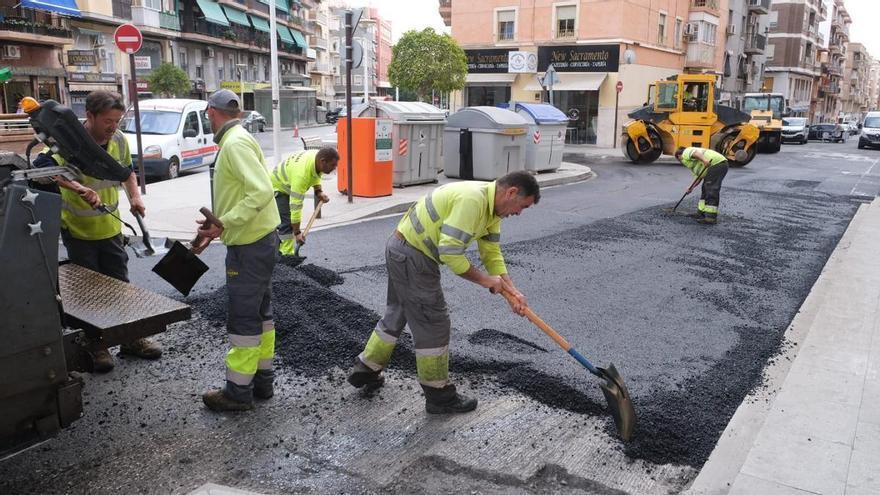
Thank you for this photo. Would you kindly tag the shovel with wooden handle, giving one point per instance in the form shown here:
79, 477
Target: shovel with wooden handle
616, 394
296, 259
181, 267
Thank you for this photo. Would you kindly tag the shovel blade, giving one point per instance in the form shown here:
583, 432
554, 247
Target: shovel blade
619, 402
181, 268
293, 261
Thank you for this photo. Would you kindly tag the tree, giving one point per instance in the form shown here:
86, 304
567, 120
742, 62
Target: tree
169, 80
426, 60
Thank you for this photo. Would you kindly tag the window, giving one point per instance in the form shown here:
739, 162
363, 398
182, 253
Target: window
677, 41
153, 4
220, 73
206, 124
191, 122
667, 95
661, 29
696, 97
199, 72
565, 21
506, 24
709, 31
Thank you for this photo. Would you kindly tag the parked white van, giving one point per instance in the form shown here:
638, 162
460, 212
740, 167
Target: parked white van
175, 133
870, 134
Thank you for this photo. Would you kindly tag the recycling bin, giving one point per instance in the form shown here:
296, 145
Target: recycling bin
371, 157
546, 136
484, 143
417, 137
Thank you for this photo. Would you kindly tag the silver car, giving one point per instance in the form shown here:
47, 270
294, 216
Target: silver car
795, 129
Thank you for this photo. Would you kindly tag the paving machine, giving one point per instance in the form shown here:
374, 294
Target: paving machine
55, 316
682, 112
766, 111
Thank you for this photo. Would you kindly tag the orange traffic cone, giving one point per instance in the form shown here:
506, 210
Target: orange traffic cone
296, 130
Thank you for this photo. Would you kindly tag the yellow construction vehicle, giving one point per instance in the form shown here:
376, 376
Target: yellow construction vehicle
766, 110
682, 112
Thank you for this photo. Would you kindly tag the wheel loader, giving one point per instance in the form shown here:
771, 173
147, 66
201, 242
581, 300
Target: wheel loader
682, 112
766, 110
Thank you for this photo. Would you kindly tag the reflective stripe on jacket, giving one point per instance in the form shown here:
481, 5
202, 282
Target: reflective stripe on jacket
293, 177
697, 167
81, 220
442, 225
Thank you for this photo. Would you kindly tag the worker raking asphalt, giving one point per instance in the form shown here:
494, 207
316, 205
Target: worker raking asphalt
689, 313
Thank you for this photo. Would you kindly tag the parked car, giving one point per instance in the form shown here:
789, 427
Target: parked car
253, 121
870, 135
828, 131
332, 115
795, 129
176, 135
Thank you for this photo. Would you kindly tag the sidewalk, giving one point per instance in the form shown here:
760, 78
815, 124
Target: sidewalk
817, 430
173, 205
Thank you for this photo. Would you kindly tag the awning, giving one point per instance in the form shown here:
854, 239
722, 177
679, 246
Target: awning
66, 7
299, 38
236, 16
484, 79
572, 82
282, 5
213, 12
284, 34
259, 23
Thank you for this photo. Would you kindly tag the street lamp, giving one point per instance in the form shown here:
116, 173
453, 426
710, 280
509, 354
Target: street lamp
241, 68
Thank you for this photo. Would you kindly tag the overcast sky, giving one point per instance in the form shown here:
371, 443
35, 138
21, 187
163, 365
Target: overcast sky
419, 14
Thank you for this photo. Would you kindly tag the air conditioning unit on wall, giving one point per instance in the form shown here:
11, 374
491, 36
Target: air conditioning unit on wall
12, 51
731, 29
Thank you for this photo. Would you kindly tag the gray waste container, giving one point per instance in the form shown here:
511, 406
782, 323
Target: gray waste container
484, 143
417, 133
546, 139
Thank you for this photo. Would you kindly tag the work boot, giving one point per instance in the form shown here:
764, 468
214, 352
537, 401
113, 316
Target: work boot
142, 348
447, 401
364, 376
102, 361
216, 400
697, 215
707, 220
263, 382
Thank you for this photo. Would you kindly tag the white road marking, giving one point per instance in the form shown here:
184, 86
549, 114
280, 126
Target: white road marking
862, 177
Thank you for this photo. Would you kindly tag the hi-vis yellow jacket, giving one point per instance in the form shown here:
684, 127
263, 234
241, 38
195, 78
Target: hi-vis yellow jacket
293, 177
442, 225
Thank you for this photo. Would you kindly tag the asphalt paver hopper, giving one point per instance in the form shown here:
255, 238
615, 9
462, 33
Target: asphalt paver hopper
614, 389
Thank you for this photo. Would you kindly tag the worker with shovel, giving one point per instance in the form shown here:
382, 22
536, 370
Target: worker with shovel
711, 166
290, 180
437, 230
248, 218
91, 230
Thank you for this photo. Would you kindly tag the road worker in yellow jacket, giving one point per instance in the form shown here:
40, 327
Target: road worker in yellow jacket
93, 237
290, 180
437, 230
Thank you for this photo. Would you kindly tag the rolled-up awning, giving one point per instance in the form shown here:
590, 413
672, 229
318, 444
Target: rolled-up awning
284, 34
573, 82
299, 38
236, 16
213, 12
490, 79
259, 23
66, 7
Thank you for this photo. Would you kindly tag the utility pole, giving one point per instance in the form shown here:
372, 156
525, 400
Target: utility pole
348, 67
276, 95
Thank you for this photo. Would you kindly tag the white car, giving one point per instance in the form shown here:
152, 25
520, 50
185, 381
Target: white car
175, 133
870, 133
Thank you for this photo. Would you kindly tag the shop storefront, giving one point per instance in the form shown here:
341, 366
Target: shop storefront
82, 83
42, 83
488, 81
247, 90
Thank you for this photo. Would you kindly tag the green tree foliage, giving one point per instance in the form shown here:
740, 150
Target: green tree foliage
426, 60
169, 80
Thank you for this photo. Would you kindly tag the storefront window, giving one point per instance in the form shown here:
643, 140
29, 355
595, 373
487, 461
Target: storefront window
582, 108
487, 95
15, 91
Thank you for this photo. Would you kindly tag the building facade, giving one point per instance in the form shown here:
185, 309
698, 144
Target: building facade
744, 51
856, 94
828, 104
592, 46
374, 36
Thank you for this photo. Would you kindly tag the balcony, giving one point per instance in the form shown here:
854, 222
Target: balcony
710, 6
169, 21
446, 11
319, 43
321, 68
755, 43
700, 56
321, 18
830, 89
834, 48
759, 6
831, 69
146, 17
21, 29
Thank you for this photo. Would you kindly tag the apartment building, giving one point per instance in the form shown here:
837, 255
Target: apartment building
856, 94
374, 35
744, 49
827, 104
591, 45
792, 65
322, 70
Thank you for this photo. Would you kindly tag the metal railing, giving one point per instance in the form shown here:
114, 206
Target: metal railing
23, 25
706, 4
122, 9
169, 21
319, 42
760, 3
755, 41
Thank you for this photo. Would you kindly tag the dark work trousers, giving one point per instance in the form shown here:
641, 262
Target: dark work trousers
106, 256
711, 192
249, 320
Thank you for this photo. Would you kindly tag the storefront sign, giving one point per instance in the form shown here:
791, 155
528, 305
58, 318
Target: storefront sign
249, 87
81, 57
143, 86
91, 77
522, 62
142, 63
487, 61
580, 58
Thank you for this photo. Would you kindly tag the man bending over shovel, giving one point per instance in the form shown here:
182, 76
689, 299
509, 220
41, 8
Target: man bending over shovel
711, 166
437, 230
290, 180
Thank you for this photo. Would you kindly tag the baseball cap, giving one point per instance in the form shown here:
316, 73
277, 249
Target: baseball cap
224, 99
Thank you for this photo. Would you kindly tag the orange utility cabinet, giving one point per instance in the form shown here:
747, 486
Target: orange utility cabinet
372, 164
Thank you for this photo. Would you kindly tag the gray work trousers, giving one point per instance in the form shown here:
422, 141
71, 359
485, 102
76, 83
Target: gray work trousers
105, 256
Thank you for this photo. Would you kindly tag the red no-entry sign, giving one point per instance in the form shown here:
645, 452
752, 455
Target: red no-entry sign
619, 86
128, 38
